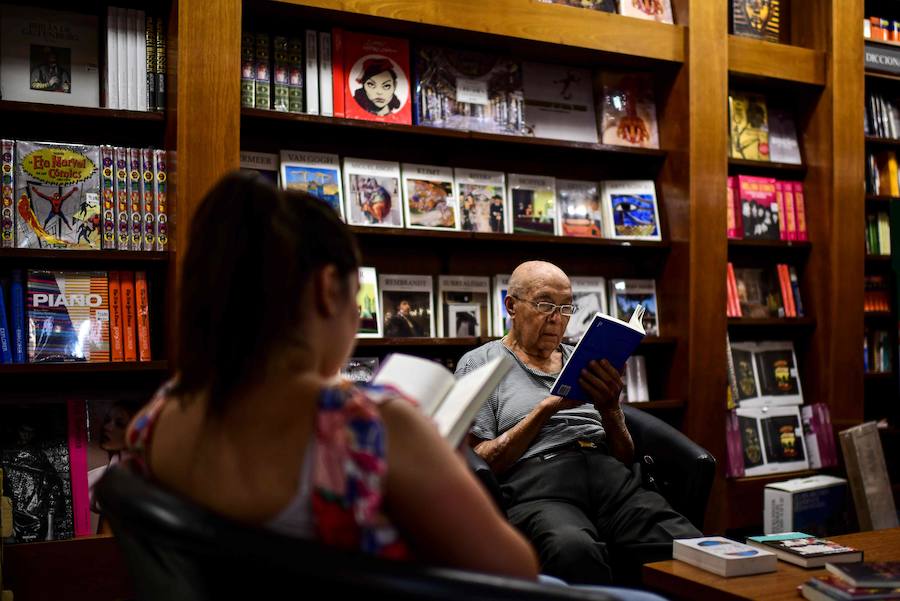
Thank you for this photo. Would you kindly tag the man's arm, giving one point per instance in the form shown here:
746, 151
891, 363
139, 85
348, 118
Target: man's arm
604, 384
502, 452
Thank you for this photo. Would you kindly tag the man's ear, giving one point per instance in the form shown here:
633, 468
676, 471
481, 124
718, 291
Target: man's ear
510, 304
327, 291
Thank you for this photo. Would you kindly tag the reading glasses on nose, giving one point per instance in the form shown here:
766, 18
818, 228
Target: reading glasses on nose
547, 307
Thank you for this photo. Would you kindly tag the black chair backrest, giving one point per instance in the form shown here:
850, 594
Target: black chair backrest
178, 550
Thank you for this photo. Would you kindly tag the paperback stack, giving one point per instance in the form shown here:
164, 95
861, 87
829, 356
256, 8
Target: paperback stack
870, 580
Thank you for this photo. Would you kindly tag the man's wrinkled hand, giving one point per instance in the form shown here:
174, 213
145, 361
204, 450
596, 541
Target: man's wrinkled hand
603, 385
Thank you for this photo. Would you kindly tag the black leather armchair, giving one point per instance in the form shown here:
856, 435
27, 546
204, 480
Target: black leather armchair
681, 470
177, 550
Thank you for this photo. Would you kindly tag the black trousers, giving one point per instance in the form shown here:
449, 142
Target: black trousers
589, 518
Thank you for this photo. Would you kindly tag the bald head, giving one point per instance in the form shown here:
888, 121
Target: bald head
531, 275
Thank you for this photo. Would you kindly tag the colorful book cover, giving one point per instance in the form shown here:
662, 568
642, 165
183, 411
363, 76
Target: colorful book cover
482, 201
115, 317
7, 194
800, 211
58, 196
376, 78
533, 201
778, 376
17, 312
142, 308
429, 200
651, 10
579, 209
68, 316
790, 211
315, 173
759, 208
749, 127
755, 19
731, 220
123, 192
129, 316
780, 202
148, 208
135, 199
248, 70
161, 196
108, 198
559, 102
368, 301
34, 455
464, 306
263, 164
373, 193
831, 587
628, 112
630, 209
360, 369
462, 89
625, 295
589, 295
501, 315
77, 441
407, 304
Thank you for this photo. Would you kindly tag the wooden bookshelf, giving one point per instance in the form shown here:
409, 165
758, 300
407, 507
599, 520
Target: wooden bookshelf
876, 198
767, 167
27, 255
758, 58
51, 369
879, 141
11, 109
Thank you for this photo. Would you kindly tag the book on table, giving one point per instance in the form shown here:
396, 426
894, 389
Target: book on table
805, 550
724, 557
871, 574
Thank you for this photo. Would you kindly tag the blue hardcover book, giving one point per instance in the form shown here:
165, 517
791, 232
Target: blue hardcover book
5, 351
17, 302
606, 338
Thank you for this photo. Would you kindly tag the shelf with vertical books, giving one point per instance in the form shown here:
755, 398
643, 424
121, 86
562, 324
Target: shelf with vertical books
758, 58
14, 108
41, 369
881, 141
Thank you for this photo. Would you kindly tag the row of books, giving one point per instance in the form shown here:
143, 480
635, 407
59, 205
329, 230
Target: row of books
882, 115
659, 10
763, 292
763, 375
72, 196
760, 130
52, 454
877, 354
881, 174
778, 439
371, 77
881, 29
74, 316
870, 580
57, 57
387, 194
878, 233
404, 305
764, 208
877, 296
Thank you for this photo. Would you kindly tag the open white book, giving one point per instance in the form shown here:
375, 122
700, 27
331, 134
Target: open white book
451, 403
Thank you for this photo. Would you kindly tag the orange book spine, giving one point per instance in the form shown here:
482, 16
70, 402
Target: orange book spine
115, 316
142, 305
129, 316
786, 295
733, 292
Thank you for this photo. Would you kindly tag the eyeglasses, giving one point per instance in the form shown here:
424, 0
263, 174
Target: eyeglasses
548, 308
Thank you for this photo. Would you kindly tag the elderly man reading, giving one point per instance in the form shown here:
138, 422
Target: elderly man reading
564, 467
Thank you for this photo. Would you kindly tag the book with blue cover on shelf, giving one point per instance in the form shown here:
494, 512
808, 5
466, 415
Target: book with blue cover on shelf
606, 338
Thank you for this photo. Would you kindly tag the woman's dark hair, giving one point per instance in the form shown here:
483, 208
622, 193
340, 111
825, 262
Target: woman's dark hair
252, 252
371, 68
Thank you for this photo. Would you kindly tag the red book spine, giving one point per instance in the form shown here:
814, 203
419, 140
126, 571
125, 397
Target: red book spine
733, 292
142, 306
800, 206
115, 316
129, 316
337, 71
782, 218
732, 217
790, 211
736, 208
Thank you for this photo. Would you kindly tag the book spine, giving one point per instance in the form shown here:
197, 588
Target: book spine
280, 75
161, 63
7, 194
150, 49
161, 194
732, 280
149, 203
123, 220
735, 468
326, 100
17, 302
782, 220
111, 83
800, 205
108, 197
76, 415
140, 66
263, 94
296, 73
785, 277
122, 56
729, 300
131, 50
337, 71
142, 306
790, 211
135, 199
795, 290
312, 72
732, 374
5, 339
129, 316
248, 71
731, 220
115, 318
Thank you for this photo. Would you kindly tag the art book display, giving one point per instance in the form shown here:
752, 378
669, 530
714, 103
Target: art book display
629, 210
315, 173
764, 373
533, 200
754, 19
465, 308
625, 295
628, 112
429, 200
408, 305
559, 103
579, 209
482, 200
264, 164
373, 193
749, 126
368, 302
770, 439
589, 295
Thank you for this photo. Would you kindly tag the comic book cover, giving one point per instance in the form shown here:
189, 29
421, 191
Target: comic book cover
429, 201
315, 173
57, 196
579, 209
533, 201
628, 113
108, 197
161, 194
630, 210
7, 194
482, 201
376, 76
462, 89
464, 306
68, 316
373, 193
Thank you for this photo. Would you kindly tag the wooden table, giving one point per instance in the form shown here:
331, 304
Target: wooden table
678, 580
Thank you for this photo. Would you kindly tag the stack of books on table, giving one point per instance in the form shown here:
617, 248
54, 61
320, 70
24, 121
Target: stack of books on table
870, 580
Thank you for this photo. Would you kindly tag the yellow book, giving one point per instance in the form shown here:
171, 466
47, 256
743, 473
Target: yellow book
892, 174
748, 127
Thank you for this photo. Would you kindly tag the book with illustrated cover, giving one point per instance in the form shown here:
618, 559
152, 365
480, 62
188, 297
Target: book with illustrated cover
376, 77
264, 164
123, 219
248, 70
57, 196
465, 307
772, 440
429, 200
630, 211
135, 199
372, 190
533, 202
759, 208
34, 456
758, 293
360, 369
749, 126
49, 56
498, 300
756, 19
805, 550
107, 198
161, 193
589, 295
874, 574
148, 196
368, 300
463, 89
68, 316
825, 588
784, 146
315, 173
651, 10
628, 111
607, 6
7, 194
482, 201
559, 102
625, 295
407, 305
766, 374
722, 556
579, 209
